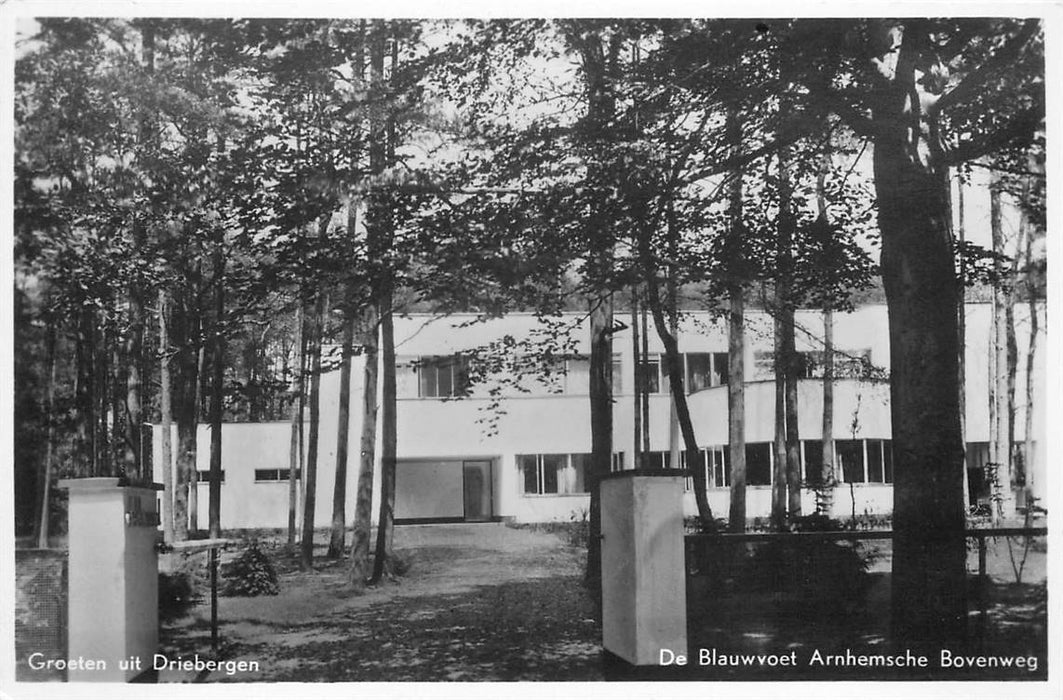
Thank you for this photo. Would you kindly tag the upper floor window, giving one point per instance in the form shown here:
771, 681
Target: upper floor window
701, 370
440, 377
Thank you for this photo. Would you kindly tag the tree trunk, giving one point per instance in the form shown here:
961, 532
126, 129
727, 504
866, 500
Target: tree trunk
825, 505
295, 449
217, 390
961, 325
382, 564
199, 378
44, 510
778, 482
316, 331
675, 381
165, 422
929, 555
186, 328
636, 354
363, 504
736, 396
1002, 390
337, 537
1032, 487
644, 391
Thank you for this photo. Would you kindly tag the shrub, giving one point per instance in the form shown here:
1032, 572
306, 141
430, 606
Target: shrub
252, 574
177, 595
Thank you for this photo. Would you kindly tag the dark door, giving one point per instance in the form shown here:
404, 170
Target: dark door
477, 486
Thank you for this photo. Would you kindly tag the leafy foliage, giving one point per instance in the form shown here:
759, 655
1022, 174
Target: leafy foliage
252, 574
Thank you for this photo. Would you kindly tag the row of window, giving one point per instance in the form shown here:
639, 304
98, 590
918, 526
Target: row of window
855, 462
203, 475
443, 377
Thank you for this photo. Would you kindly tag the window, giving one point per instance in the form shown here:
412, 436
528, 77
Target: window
274, 474
203, 475
851, 457
699, 371
441, 377
720, 461
758, 463
720, 368
618, 376
618, 462
813, 464
656, 459
879, 461
848, 364
546, 474
648, 375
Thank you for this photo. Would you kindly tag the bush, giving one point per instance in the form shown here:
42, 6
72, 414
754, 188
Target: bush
252, 574
177, 595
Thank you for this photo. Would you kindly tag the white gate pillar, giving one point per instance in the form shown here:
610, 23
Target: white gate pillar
643, 567
113, 579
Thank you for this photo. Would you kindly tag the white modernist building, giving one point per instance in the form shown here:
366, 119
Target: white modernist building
497, 449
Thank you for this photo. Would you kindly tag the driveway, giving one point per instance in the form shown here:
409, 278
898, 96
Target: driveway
480, 602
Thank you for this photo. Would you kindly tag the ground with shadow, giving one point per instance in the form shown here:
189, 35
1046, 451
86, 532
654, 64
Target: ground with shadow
492, 603
479, 602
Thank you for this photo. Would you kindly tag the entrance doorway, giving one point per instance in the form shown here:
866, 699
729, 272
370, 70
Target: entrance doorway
476, 477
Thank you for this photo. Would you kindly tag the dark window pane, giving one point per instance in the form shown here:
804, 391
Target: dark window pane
581, 464
813, 460
719, 368
527, 466
427, 372
618, 461
758, 464
648, 378
699, 371
445, 378
874, 461
851, 455
887, 459
552, 466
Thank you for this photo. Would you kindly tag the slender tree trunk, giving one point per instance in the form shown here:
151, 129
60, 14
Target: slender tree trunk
134, 458
778, 482
827, 478
1032, 487
337, 537
193, 477
636, 354
675, 380
217, 390
44, 510
1002, 389
295, 448
84, 397
363, 505
929, 552
961, 323
166, 422
306, 549
825, 494
644, 393
185, 403
382, 564
736, 402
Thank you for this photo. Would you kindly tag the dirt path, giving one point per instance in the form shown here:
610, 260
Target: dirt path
480, 602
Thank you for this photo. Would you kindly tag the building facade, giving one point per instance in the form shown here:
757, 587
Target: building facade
489, 429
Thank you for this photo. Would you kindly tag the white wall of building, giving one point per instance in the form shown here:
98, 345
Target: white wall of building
559, 423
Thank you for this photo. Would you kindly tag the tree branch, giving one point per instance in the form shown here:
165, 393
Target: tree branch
1001, 59
1018, 130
